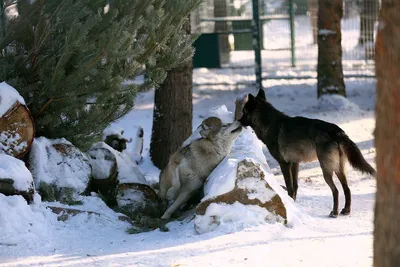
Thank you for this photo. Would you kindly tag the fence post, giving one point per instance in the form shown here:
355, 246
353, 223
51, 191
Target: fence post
257, 42
292, 38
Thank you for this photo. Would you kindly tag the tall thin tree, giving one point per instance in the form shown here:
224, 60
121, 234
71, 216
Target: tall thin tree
173, 109
330, 71
387, 137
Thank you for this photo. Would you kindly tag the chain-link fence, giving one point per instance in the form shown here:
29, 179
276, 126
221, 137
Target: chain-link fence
224, 50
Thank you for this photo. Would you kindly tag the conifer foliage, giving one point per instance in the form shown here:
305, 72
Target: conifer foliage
68, 58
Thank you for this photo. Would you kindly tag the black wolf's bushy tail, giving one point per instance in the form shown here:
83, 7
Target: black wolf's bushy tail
354, 156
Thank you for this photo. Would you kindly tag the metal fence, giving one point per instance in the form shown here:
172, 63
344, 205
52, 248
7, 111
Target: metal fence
225, 51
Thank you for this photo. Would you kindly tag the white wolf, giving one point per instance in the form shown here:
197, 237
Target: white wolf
189, 167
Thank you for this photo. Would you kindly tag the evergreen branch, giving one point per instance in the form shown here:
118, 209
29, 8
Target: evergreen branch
46, 30
44, 107
2, 43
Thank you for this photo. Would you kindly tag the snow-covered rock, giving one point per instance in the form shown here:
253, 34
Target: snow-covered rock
60, 170
16, 124
250, 188
243, 184
15, 178
138, 199
127, 170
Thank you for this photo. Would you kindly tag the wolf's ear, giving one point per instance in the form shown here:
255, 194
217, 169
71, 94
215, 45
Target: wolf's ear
261, 94
251, 98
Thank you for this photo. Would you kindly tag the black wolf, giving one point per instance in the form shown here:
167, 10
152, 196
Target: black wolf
292, 140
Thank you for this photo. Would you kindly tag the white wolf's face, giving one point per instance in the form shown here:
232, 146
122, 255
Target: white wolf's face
225, 132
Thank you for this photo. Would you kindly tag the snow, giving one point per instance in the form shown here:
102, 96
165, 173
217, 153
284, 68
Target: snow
256, 189
9, 142
8, 97
233, 218
101, 166
118, 131
221, 112
334, 103
223, 178
130, 196
50, 166
326, 32
127, 170
12, 168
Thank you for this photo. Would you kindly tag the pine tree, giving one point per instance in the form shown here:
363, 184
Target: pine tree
68, 59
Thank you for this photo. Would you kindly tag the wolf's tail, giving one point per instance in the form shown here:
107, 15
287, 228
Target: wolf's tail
354, 155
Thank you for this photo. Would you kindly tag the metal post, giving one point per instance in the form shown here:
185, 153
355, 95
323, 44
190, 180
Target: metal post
256, 24
292, 39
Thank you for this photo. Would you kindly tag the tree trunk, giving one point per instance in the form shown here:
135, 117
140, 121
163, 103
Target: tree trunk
368, 16
221, 10
387, 137
173, 109
313, 9
330, 72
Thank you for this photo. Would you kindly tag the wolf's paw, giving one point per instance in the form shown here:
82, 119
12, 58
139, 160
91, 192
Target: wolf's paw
345, 211
333, 214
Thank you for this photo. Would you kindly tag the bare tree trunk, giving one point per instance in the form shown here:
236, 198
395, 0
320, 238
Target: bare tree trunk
330, 72
313, 9
368, 16
221, 10
387, 137
173, 109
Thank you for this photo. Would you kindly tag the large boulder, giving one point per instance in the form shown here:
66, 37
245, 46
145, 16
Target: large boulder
17, 129
61, 172
15, 178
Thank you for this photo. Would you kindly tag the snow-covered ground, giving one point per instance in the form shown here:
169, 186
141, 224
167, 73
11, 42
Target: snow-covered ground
32, 236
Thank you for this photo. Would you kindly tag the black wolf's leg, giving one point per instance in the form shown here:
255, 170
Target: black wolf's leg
286, 168
347, 206
295, 175
335, 193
